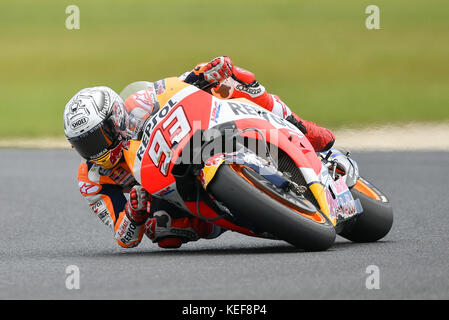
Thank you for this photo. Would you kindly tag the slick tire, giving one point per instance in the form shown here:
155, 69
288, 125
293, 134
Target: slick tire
269, 215
373, 224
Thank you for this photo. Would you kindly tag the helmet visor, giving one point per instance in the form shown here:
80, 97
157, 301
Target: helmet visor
94, 143
110, 158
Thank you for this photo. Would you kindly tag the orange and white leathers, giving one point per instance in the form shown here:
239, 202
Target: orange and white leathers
105, 189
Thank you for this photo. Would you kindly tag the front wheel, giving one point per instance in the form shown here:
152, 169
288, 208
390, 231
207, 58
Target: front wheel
253, 199
375, 221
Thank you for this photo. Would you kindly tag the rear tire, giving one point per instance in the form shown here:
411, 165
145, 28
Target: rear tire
372, 224
269, 215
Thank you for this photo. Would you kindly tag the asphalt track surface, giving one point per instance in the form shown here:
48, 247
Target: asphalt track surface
46, 226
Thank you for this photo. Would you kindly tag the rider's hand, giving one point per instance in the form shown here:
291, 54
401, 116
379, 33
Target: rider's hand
218, 70
136, 207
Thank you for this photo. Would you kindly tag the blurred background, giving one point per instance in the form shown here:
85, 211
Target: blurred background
317, 55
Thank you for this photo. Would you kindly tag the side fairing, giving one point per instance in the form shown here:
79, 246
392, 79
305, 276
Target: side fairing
276, 130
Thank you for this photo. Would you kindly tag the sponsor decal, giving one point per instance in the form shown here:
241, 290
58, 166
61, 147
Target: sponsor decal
110, 158
116, 153
347, 205
121, 231
159, 86
333, 205
103, 171
340, 186
165, 192
99, 154
151, 124
79, 123
341, 203
210, 168
127, 231
246, 109
87, 188
215, 112
251, 91
119, 175
106, 218
129, 181
98, 206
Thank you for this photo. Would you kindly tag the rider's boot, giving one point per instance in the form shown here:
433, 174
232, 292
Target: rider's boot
170, 232
322, 139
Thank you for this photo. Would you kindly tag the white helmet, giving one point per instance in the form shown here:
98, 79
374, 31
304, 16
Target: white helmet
96, 125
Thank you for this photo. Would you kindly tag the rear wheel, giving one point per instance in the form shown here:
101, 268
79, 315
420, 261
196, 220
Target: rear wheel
375, 221
270, 209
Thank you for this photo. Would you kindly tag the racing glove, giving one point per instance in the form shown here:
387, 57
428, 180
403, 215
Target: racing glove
136, 208
217, 70
208, 75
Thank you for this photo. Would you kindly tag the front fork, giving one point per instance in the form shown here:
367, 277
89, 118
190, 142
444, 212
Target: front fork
339, 163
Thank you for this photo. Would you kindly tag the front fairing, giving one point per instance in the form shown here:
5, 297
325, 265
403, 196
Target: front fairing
342, 205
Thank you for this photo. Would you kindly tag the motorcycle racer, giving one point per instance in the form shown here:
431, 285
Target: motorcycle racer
99, 125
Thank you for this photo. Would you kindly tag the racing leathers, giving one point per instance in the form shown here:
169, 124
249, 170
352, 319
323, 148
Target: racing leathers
105, 189
162, 222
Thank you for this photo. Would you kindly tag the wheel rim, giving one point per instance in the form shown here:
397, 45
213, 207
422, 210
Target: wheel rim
314, 216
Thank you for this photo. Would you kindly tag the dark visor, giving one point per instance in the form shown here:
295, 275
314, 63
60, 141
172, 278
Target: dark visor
92, 144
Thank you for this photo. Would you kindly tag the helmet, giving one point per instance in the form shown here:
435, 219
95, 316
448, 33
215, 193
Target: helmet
96, 125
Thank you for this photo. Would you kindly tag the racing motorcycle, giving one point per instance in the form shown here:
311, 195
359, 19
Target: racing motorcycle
237, 165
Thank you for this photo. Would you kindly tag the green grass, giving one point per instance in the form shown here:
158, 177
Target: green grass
316, 54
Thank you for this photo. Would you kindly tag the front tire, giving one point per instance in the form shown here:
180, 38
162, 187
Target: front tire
375, 221
267, 214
